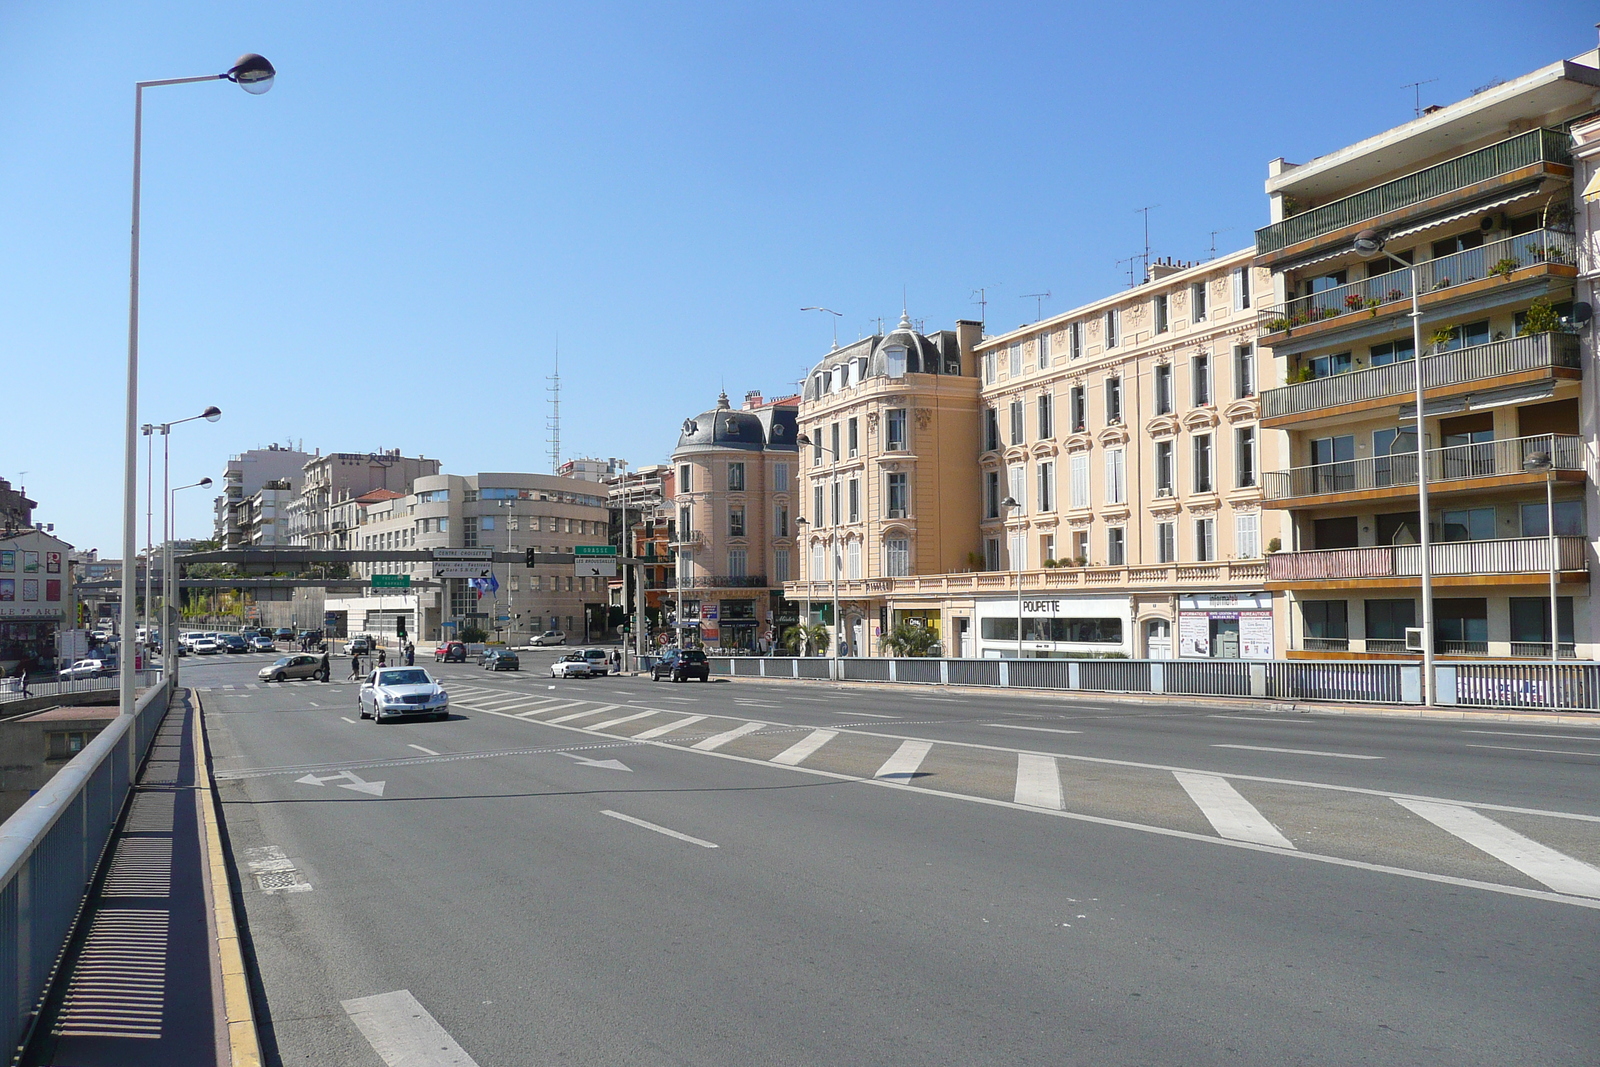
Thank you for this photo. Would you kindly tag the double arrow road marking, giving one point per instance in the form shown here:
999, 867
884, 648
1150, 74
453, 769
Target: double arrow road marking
344, 780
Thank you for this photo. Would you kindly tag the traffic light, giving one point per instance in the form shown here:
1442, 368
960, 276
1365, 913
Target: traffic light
400, 627
531, 554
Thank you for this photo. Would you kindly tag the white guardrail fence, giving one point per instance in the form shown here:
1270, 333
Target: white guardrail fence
12, 689
1492, 684
49, 850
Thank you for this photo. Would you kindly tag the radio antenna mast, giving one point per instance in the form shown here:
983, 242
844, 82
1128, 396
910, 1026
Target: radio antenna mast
1416, 88
553, 423
1038, 303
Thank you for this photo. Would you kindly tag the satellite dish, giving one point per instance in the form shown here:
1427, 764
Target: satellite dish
690, 426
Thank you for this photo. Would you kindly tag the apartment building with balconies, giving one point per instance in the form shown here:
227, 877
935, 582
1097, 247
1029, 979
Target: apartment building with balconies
326, 514
1473, 204
245, 475
735, 490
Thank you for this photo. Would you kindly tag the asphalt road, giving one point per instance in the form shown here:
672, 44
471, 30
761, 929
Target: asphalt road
927, 877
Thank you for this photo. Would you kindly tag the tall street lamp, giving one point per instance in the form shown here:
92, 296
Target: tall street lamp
169, 652
1546, 462
1010, 504
1369, 245
801, 523
170, 580
254, 75
804, 440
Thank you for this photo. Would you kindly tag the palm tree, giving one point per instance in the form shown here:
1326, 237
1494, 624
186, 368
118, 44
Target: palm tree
801, 639
909, 639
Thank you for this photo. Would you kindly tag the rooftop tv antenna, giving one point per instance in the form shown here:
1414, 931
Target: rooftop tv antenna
1416, 88
1145, 211
1214, 233
553, 423
983, 302
1130, 261
1038, 303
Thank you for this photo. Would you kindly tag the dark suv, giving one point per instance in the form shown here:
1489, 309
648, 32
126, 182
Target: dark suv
681, 665
450, 652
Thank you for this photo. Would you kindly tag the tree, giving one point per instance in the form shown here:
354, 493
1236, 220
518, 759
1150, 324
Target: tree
910, 639
801, 639
473, 634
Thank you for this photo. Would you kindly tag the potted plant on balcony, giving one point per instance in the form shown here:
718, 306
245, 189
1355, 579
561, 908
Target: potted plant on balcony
1277, 325
1395, 294
1503, 267
1539, 318
1441, 337
1275, 545
1355, 301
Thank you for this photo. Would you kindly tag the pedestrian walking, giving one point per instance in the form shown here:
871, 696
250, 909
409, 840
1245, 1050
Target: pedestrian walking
355, 665
383, 657
326, 674
411, 654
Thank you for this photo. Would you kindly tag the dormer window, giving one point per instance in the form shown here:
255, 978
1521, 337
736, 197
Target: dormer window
894, 359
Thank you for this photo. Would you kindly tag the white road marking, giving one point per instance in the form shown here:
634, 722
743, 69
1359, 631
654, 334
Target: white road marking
658, 829
1229, 813
540, 711
1539, 862
1261, 718
905, 761
581, 714
1301, 751
352, 780
1038, 781
252, 685
866, 714
684, 700
313, 703
1519, 733
754, 703
424, 751
402, 1032
796, 753
609, 723
660, 731
347, 719
711, 744
1548, 751
1031, 729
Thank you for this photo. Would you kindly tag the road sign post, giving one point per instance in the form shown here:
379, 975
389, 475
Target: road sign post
391, 581
594, 561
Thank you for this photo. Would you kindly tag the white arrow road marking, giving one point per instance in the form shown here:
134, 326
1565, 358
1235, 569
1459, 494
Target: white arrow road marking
1229, 813
604, 764
402, 1032
351, 781
658, 829
1539, 862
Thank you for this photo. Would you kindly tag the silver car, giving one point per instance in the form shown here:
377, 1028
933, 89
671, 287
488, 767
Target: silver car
403, 692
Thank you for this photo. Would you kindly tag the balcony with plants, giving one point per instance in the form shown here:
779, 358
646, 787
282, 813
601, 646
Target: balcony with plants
1457, 468
1513, 162
1454, 563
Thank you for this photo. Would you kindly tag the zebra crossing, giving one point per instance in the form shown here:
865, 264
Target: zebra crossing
270, 685
1530, 852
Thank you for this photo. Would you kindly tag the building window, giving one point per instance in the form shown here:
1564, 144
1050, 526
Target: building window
899, 496
1328, 366
817, 516
853, 436
1080, 545
991, 429
780, 477
816, 447
1530, 621
991, 365
736, 522
780, 520
1244, 371
1205, 539
1113, 401
1164, 468
685, 478
1047, 428
819, 564
1078, 401
1014, 360
1113, 328
1247, 536
780, 565
854, 496
852, 560
991, 553
1116, 482
444, 525
1203, 482
894, 361
1160, 307
1041, 347
1047, 483
469, 532
1569, 519
1018, 433
1325, 621
1197, 295
1164, 389
736, 477
897, 557
1200, 368
1078, 479
1017, 479
895, 430
833, 453
736, 562
1116, 547
1074, 340
833, 499
1241, 288
1166, 542
991, 494
1467, 524
485, 523
1244, 456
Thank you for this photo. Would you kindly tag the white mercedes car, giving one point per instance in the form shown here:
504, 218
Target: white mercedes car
403, 692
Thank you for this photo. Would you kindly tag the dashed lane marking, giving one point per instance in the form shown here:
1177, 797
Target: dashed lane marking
1030, 729
1301, 752
1546, 751
1519, 733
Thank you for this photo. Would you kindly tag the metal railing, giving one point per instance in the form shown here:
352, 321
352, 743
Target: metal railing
11, 689
1511, 555
1489, 459
726, 581
49, 850
1240, 572
1498, 259
1514, 355
1514, 153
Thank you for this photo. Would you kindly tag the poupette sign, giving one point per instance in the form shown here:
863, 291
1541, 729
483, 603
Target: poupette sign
1047, 608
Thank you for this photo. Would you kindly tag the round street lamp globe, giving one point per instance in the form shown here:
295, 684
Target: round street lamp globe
1368, 243
204, 482
252, 73
212, 414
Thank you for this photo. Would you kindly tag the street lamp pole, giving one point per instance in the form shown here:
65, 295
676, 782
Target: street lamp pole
168, 583
1011, 504
801, 523
253, 74
168, 579
1546, 462
1368, 244
833, 544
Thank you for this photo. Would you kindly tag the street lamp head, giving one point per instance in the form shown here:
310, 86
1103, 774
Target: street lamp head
803, 439
203, 482
211, 414
252, 73
1009, 502
802, 521
1368, 243
1538, 461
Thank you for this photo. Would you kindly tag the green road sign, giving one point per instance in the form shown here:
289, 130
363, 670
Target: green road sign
594, 550
391, 581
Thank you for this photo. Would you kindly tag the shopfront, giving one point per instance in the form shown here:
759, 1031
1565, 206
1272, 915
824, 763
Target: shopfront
1225, 626
1055, 627
35, 600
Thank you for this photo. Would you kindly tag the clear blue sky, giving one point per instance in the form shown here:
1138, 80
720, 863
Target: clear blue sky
384, 250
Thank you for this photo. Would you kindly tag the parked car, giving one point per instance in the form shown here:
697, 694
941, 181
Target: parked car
550, 637
681, 664
572, 665
450, 652
262, 643
599, 659
85, 668
499, 659
283, 633
360, 645
402, 692
287, 667
206, 646
234, 643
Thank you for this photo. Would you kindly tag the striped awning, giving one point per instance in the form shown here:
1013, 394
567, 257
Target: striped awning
1493, 205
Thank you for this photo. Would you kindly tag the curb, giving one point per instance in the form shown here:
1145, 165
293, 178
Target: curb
244, 1044
1381, 711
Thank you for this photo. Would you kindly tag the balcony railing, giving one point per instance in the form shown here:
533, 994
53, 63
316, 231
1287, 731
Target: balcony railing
1512, 555
1500, 259
726, 581
1487, 460
1523, 150
1514, 355
690, 539
1223, 573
